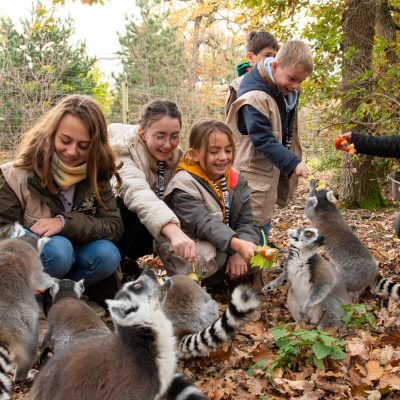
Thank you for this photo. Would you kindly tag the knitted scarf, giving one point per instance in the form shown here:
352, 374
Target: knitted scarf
66, 176
215, 186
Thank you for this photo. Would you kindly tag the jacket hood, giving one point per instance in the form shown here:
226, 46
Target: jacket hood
253, 81
121, 136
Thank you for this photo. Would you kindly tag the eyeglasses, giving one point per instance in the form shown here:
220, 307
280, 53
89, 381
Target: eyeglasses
162, 139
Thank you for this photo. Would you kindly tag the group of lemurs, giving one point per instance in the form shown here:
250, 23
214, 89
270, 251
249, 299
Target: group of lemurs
156, 324
318, 287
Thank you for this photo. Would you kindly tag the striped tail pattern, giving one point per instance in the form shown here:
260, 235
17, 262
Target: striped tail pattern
6, 370
183, 389
243, 302
387, 288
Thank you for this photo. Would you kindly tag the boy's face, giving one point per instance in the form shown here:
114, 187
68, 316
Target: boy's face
288, 78
264, 53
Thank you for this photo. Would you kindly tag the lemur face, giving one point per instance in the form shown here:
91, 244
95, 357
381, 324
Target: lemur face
136, 300
306, 238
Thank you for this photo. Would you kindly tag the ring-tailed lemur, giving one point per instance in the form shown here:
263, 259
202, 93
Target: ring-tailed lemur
358, 268
243, 302
21, 273
69, 318
188, 306
316, 290
136, 362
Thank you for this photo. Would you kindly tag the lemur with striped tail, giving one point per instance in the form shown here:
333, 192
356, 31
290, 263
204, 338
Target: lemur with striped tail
21, 274
356, 264
69, 319
316, 290
243, 302
136, 362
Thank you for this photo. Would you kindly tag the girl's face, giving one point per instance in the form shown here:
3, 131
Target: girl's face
219, 155
162, 137
72, 141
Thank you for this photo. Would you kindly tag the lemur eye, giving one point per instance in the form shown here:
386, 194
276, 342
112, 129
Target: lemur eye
309, 234
137, 286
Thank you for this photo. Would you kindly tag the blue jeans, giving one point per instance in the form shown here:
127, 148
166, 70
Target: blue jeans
265, 229
93, 261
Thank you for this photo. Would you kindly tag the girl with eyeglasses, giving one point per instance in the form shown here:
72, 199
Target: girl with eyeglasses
150, 154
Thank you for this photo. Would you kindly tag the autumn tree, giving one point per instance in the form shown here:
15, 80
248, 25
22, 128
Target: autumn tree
154, 61
38, 65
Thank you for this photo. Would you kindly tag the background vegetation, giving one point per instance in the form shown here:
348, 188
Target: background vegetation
186, 50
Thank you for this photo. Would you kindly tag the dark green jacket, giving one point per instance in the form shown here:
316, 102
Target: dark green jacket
87, 222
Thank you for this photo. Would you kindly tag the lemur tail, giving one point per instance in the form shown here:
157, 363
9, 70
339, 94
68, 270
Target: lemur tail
387, 288
243, 302
183, 389
5, 371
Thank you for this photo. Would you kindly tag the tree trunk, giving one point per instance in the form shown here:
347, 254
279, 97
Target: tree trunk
386, 29
358, 177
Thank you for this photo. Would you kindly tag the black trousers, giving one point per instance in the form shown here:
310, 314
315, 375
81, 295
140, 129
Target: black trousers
136, 240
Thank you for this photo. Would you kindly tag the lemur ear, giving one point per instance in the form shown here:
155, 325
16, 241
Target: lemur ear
54, 288
292, 233
312, 201
331, 198
80, 286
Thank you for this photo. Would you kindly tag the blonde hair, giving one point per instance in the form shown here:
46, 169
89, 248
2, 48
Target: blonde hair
37, 145
293, 53
201, 131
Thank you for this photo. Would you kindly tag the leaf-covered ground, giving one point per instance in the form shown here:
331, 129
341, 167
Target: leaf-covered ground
371, 368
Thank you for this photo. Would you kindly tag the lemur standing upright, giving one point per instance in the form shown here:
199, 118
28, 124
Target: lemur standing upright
21, 273
136, 362
316, 290
358, 268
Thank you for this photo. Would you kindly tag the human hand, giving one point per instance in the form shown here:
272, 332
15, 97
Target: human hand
236, 266
181, 244
301, 170
245, 248
47, 226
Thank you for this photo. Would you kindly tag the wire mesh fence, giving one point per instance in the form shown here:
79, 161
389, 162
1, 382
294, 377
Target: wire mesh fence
22, 103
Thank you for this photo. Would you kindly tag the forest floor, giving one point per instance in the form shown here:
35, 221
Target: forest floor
371, 366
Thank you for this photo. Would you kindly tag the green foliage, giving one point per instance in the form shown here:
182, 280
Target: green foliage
153, 60
303, 347
38, 66
357, 316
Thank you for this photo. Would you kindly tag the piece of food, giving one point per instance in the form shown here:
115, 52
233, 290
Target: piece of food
342, 143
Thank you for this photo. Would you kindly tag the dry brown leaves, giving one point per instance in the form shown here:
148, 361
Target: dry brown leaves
371, 368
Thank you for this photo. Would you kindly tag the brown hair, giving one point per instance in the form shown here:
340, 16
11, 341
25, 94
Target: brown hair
201, 131
158, 109
258, 41
293, 53
37, 145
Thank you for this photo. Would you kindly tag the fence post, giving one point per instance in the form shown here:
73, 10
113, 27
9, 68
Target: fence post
124, 91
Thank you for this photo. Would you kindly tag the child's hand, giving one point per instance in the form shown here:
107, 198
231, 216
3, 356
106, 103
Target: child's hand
236, 266
243, 247
342, 142
301, 170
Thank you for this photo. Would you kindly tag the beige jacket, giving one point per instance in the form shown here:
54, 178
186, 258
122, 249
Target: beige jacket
270, 186
139, 177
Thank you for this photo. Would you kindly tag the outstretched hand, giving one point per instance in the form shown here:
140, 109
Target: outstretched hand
181, 244
301, 170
